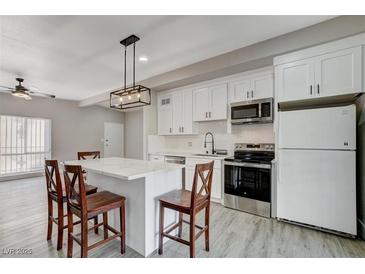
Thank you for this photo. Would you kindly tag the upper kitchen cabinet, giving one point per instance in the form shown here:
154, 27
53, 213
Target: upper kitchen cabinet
175, 113
321, 72
251, 88
210, 103
165, 114
339, 72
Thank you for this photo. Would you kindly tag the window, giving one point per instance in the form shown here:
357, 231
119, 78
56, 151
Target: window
24, 144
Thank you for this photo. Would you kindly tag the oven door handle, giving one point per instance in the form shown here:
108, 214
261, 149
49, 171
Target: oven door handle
264, 166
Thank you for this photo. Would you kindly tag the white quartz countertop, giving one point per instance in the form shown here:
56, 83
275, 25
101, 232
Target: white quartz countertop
123, 168
190, 155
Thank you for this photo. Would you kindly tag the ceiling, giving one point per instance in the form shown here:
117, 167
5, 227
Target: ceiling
76, 57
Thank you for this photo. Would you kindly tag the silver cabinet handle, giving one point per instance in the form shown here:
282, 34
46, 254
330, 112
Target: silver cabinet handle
206, 115
210, 114
318, 88
247, 94
182, 129
170, 130
179, 129
311, 90
251, 93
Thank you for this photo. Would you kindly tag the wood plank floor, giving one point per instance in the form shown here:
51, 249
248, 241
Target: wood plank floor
23, 224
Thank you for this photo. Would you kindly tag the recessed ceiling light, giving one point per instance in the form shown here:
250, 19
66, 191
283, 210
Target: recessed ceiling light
143, 59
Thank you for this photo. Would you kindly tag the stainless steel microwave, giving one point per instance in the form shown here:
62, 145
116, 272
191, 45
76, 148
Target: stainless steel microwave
255, 111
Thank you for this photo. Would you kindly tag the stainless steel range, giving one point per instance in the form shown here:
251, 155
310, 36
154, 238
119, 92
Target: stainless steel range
247, 178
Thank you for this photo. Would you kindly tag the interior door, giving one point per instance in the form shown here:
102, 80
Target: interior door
218, 102
240, 90
339, 72
201, 104
318, 188
262, 87
295, 80
113, 140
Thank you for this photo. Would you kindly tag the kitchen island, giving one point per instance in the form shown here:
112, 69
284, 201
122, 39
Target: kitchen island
141, 182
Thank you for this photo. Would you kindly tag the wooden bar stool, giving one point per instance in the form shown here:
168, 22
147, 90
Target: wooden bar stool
56, 193
189, 202
84, 155
88, 206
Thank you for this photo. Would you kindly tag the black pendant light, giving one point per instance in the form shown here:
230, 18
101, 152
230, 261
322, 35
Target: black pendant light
135, 95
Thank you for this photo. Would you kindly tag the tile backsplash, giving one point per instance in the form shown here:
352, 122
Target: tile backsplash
250, 133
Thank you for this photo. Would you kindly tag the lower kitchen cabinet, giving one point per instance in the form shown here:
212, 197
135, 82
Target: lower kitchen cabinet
216, 194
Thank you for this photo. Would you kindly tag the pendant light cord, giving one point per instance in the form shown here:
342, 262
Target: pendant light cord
134, 64
125, 68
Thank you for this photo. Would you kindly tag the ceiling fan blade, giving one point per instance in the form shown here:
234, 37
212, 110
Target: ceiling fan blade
42, 94
5, 87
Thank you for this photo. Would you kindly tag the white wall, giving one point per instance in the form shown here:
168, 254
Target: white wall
73, 128
133, 134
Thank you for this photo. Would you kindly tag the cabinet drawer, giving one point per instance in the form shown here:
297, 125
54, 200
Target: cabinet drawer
192, 162
157, 158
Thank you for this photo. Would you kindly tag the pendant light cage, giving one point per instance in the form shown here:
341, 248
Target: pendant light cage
135, 95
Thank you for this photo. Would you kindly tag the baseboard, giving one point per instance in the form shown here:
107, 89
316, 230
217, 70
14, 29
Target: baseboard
361, 229
21, 176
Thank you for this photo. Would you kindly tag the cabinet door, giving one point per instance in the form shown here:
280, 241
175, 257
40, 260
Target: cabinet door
187, 112
240, 90
201, 104
217, 185
165, 121
218, 102
339, 72
177, 112
318, 188
295, 80
262, 87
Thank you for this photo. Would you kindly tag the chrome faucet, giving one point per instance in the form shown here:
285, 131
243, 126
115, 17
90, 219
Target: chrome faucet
212, 142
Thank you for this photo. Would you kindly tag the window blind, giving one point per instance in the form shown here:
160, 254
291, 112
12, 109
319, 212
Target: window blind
24, 144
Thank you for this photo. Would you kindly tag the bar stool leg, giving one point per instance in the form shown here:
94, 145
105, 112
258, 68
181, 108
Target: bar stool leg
122, 228
50, 222
105, 223
70, 241
60, 225
160, 246
192, 235
180, 225
96, 229
84, 237
207, 225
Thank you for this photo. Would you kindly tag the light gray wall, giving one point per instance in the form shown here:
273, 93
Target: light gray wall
73, 128
133, 135
360, 155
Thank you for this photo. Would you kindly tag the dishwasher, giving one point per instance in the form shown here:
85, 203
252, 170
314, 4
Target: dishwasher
177, 160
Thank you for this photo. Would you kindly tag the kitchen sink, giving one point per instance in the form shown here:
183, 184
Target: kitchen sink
208, 155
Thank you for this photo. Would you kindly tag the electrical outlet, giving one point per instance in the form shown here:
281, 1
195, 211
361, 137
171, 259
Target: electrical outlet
190, 144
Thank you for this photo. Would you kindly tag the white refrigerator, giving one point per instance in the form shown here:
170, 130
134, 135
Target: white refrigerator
316, 180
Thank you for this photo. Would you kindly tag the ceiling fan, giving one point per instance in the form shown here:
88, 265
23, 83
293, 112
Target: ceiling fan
22, 91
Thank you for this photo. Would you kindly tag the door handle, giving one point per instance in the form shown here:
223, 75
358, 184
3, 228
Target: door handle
251, 93
318, 88
310, 90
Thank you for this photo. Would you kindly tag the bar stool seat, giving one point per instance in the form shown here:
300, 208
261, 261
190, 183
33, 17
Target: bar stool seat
103, 201
181, 199
89, 189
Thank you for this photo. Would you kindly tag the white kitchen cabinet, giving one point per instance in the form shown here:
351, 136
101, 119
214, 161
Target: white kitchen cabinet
251, 88
339, 72
165, 115
314, 188
295, 81
216, 191
183, 112
210, 103
332, 74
